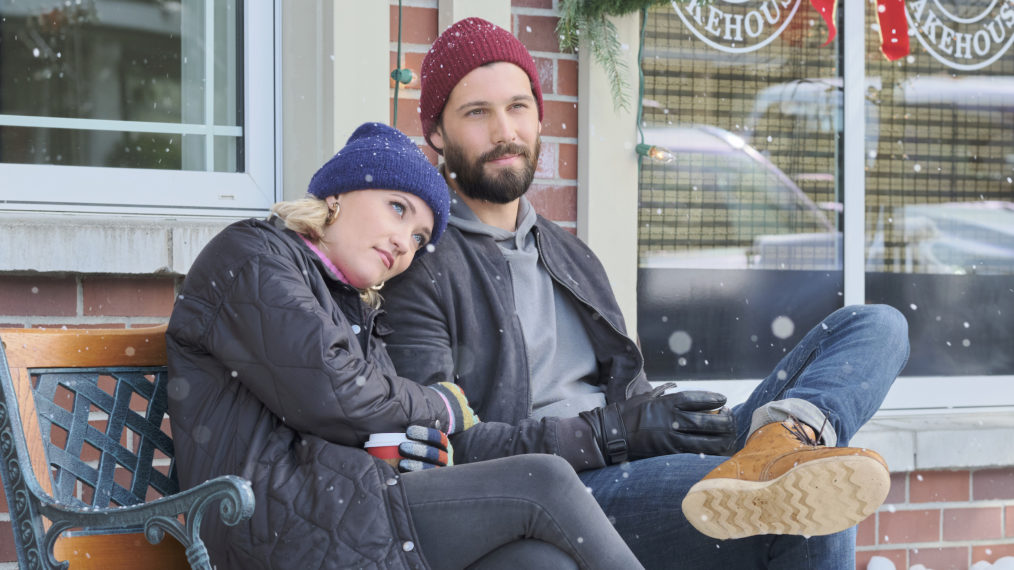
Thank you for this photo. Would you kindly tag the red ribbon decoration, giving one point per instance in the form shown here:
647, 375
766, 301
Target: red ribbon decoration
891, 19
828, 9
893, 28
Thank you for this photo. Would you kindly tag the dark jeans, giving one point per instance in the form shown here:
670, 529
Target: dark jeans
531, 510
844, 367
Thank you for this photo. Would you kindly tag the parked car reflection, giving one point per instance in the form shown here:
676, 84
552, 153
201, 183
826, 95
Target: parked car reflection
721, 204
956, 238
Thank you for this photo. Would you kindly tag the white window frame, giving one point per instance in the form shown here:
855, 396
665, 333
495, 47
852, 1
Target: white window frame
85, 189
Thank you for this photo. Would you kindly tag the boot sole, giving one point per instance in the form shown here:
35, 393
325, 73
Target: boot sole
819, 497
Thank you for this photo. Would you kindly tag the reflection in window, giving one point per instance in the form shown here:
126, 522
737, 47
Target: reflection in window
748, 188
942, 170
720, 203
121, 83
940, 187
740, 233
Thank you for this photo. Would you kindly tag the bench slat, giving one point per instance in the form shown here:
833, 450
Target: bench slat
127, 551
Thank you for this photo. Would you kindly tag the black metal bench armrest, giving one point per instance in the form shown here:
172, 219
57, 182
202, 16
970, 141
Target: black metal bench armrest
234, 495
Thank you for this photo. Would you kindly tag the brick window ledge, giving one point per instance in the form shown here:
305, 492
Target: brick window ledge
95, 243
952, 439
924, 437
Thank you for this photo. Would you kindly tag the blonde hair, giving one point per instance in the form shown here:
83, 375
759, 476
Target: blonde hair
308, 217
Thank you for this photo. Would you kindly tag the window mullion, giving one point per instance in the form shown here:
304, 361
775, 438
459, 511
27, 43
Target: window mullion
209, 84
854, 175
191, 78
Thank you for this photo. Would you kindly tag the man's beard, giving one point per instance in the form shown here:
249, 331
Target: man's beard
503, 187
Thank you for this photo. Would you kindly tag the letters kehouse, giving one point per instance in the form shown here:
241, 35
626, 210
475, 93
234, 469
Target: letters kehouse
736, 26
961, 40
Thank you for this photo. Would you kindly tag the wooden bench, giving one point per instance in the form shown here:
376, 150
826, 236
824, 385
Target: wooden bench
86, 458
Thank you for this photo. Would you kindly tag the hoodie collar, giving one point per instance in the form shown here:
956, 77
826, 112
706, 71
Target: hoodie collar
463, 218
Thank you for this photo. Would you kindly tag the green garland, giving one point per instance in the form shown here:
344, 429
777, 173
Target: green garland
588, 18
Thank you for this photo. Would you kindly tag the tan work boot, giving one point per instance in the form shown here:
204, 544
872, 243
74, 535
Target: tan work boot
782, 482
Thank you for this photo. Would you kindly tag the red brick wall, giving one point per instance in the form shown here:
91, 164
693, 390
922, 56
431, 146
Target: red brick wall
554, 192
942, 520
78, 301
81, 301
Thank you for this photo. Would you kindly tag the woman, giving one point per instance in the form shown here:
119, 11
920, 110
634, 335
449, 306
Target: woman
279, 374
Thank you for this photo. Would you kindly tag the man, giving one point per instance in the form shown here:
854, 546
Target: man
520, 314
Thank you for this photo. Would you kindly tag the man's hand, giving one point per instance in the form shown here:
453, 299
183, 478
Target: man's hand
649, 425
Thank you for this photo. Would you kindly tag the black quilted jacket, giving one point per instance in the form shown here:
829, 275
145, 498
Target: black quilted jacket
278, 374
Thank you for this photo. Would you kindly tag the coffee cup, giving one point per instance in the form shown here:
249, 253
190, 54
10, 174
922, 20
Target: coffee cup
385, 446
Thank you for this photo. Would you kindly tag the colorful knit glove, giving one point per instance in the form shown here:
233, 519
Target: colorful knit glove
429, 448
460, 413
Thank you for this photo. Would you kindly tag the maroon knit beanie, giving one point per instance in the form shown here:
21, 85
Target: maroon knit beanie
462, 47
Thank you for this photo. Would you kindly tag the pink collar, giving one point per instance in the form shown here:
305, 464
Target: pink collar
327, 262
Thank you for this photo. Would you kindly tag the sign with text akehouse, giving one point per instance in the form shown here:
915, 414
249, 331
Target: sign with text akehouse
963, 35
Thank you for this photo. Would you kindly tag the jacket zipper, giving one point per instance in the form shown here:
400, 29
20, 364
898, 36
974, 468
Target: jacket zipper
521, 330
637, 352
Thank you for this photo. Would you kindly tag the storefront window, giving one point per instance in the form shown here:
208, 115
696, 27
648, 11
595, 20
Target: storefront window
740, 242
739, 235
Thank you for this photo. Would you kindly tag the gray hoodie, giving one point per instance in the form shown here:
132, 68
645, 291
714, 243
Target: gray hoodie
560, 355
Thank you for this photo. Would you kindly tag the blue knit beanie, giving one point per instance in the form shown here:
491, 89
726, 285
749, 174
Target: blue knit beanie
377, 156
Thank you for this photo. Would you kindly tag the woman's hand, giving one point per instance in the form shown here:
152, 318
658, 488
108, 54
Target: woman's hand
427, 449
460, 413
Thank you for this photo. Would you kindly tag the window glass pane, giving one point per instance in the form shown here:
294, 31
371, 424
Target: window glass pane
739, 241
108, 148
150, 84
940, 197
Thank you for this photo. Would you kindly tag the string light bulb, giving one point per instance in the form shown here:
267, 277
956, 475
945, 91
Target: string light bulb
655, 153
651, 151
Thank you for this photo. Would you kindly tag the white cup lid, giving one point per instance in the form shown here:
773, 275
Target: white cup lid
385, 439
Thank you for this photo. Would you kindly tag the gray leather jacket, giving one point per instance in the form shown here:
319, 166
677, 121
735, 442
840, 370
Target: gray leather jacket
453, 318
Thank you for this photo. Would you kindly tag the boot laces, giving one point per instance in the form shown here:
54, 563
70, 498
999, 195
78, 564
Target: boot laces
801, 434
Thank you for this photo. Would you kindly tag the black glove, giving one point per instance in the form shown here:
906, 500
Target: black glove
653, 424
